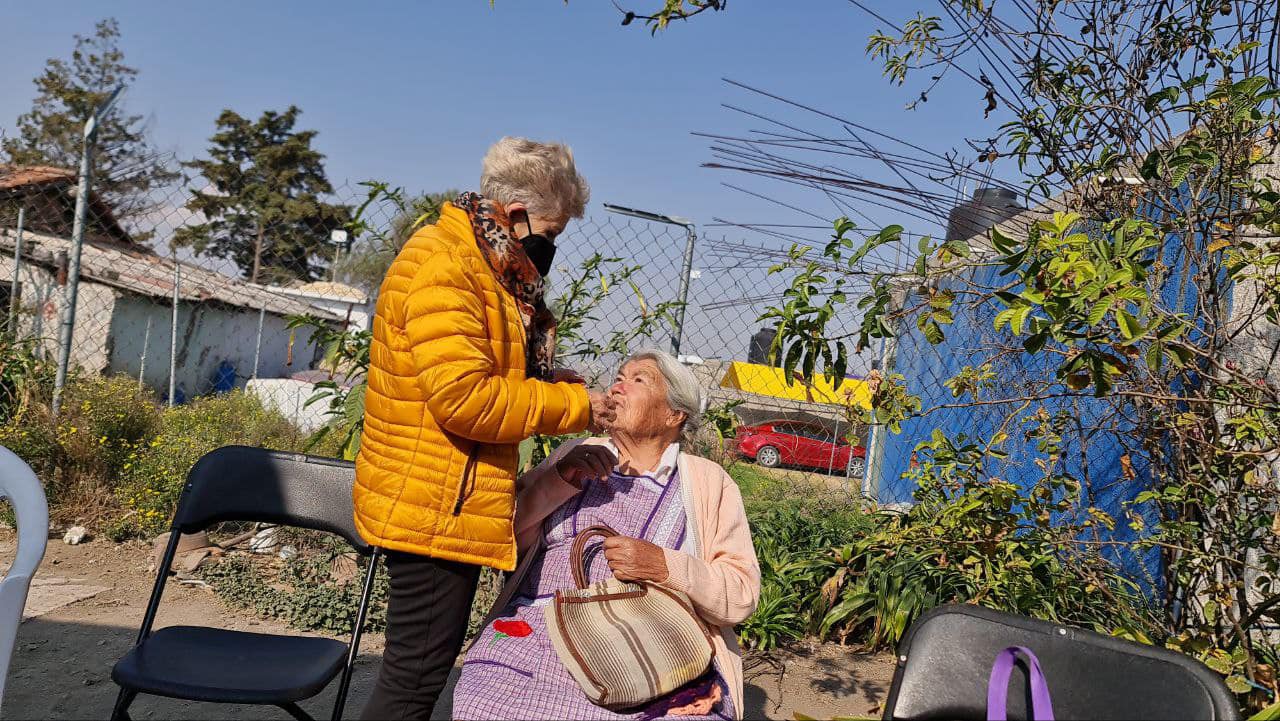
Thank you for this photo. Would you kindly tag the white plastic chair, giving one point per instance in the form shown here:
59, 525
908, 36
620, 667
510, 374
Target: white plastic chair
19, 484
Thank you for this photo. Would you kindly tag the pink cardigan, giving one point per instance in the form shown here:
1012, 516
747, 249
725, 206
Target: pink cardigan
722, 581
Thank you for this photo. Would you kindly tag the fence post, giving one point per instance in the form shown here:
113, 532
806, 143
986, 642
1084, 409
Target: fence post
691, 236
17, 266
142, 362
874, 465
69, 295
173, 332
77, 243
257, 346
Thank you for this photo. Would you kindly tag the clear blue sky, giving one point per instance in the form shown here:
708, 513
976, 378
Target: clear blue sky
414, 92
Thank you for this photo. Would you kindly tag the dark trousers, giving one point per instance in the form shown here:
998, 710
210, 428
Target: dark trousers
428, 606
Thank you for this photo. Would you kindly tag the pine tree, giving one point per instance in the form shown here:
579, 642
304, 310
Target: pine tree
262, 202
128, 172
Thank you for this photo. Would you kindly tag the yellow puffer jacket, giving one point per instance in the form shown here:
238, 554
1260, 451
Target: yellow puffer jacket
448, 403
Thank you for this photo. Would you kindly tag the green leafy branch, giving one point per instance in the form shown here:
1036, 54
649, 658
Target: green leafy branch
595, 279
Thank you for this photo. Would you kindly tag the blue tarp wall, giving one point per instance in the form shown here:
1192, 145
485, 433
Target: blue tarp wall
1093, 449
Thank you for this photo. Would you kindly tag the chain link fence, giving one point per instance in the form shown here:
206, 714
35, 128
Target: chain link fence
188, 315
1088, 439
980, 383
181, 322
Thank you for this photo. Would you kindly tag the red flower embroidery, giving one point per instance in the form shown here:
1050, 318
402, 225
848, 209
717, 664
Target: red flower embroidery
515, 629
512, 629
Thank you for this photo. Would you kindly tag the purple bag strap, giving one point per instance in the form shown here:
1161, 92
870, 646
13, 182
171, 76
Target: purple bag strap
998, 686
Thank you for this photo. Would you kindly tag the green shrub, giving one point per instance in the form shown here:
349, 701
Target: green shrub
24, 376
104, 421
301, 592
865, 576
837, 571
974, 538
153, 476
33, 438
778, 619
79, 457
877, 584
755, 482
790, 533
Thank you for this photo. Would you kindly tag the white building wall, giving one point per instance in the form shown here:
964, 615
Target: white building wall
1255, 348
358, 314
119, 331
40, 308
207, 335
289, 397
360, 319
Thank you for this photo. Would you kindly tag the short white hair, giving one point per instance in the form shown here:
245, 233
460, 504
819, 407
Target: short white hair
684, 393
540, 175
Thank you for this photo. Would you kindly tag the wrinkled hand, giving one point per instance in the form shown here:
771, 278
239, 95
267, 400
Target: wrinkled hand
632, 559
602, 413
566, 375
586, 462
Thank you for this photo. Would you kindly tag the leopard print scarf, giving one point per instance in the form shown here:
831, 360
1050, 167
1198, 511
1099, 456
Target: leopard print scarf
517, 275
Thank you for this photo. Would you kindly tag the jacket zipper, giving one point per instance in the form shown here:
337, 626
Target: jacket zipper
468, 479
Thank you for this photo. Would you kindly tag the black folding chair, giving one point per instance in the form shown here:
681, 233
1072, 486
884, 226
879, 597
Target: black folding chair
201, 663
945, 659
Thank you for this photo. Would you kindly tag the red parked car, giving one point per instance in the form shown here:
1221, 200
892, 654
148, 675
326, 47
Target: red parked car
792, 443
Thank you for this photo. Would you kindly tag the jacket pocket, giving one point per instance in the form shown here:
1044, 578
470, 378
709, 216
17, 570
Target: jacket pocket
468, 482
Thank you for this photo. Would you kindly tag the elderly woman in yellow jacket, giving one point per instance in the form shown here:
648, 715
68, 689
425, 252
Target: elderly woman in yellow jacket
461, 370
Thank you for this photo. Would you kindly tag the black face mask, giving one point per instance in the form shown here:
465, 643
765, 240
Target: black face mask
540, 249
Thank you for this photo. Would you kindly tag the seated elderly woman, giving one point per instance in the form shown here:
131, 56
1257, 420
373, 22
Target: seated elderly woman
681, 525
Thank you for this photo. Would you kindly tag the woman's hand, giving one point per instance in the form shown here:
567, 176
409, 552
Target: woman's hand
585, 462
565, 375
632, 559
602, 413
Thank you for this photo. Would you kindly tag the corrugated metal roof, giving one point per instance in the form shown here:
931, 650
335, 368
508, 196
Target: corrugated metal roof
337, 291
16, 176
151, 275
25, 180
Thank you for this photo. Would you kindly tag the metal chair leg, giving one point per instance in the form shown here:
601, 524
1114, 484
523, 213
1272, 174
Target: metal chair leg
296, 712
123, 701
353, 649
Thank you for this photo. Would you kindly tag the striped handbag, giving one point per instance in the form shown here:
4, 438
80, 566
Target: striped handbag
625, 643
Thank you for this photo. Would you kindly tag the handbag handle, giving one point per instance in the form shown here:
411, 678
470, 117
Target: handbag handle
998, 686
580, 546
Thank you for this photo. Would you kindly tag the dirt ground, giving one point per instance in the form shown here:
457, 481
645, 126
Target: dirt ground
62, 662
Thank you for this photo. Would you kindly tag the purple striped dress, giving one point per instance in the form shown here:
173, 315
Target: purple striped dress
504, 677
